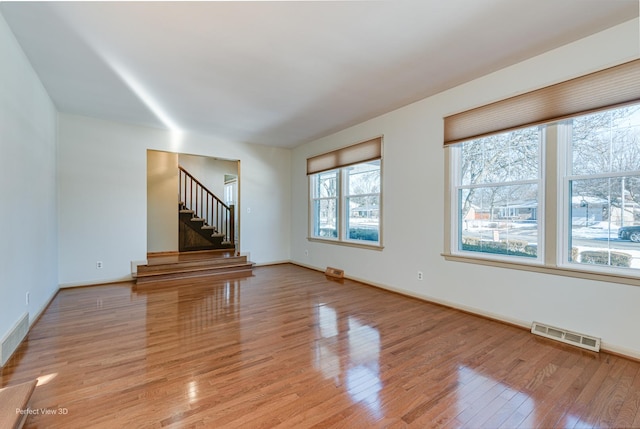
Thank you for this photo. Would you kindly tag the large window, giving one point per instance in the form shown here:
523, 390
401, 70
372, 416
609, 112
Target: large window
345, 195
498, 194
549, 180
498, 200
603, 188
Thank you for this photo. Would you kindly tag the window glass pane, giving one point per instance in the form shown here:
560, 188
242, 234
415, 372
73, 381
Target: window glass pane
605, 221
325, 218
501, 158
363, 178
606, 141
326, 184
363, 219
500, 219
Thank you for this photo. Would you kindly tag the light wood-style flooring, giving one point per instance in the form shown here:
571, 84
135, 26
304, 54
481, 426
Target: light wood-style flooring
290, 348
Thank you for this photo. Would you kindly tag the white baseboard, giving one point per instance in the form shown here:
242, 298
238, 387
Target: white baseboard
35, 318
123, 279
266, 264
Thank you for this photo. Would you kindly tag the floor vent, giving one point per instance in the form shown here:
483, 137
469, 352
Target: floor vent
12, 340
335, 273
573, 338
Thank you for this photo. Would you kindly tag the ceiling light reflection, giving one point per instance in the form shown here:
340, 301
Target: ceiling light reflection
192, 391
143, 94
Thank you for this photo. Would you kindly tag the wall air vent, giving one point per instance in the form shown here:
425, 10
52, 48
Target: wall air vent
568, 337
14, 337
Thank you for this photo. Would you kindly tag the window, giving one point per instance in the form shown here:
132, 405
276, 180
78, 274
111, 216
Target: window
550, 180
498, 194
325, 204
497, 183
603, 187
345, 200
362, 201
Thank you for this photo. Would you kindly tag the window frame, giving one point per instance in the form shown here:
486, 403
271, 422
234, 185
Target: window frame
456, 222
318, 199
566, 176
343, 208
556, 225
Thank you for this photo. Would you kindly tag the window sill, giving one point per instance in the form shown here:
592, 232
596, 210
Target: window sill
378, 247
545, 269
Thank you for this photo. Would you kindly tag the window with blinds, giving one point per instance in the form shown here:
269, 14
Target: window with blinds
551, 177
345, 194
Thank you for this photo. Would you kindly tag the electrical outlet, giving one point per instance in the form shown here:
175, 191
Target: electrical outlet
420, 275
306, 252
98, 265
27, 298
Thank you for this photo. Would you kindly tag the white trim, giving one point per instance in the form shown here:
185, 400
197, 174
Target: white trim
39, 313
101, 282
457, 187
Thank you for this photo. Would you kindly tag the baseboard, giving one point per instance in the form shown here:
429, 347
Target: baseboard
266, 264
124, 279
43, 308
32, 321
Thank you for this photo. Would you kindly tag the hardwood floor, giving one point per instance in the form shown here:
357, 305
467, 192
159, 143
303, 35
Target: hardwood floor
289, 348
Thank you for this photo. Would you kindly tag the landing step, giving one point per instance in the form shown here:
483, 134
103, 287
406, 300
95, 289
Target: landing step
246, 269
163, 258
192, 264
12, 400
144, 270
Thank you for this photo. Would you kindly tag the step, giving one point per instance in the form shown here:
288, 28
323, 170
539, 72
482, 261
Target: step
227, 270
172, 266
14, 399
196, 255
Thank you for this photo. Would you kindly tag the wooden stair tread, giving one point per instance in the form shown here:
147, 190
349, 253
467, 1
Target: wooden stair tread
181, 269
190, 266
227, 271
195, 261
13, 398
201, 255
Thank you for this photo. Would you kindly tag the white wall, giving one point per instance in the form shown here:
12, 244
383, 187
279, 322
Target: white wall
162, 201
413, 186
28, 232
209, 171
103, 202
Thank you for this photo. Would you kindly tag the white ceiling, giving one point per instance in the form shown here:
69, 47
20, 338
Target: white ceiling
282, 73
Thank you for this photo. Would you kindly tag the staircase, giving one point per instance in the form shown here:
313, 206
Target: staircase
206, 223
196, 234
193, 264
206, 239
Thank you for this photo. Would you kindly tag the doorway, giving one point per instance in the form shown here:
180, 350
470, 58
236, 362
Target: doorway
216, 174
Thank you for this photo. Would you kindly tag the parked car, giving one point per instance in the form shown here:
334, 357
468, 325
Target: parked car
630, 233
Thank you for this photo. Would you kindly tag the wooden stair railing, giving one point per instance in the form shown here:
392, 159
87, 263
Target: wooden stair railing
195, 196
